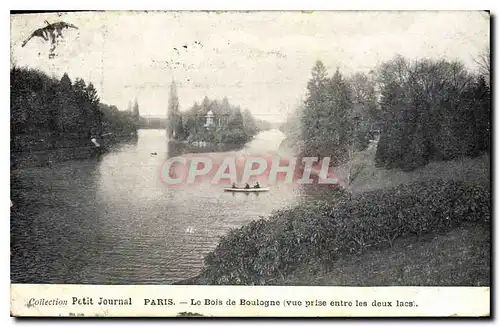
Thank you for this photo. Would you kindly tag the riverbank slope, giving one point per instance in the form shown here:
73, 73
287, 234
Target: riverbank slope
430, 226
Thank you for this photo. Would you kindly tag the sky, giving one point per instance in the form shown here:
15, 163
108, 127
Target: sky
260, 61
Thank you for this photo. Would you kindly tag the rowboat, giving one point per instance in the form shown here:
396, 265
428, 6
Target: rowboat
260, 189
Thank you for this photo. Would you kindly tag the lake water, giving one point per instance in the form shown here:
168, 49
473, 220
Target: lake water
111, 220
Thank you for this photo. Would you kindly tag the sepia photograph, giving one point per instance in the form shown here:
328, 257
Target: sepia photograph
298, 149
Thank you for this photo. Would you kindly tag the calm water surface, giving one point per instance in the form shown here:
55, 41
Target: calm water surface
112, 219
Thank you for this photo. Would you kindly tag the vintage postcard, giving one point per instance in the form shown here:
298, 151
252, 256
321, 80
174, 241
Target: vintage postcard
250, 164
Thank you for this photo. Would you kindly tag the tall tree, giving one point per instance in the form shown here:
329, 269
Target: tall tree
173, 112
93, 99
79, 89
205, 104
479, 105
338, 125
483, 64
365, 106
314, 106
249, 124
135, 111
68, 116
236, 119
234, 130
225, 106
327, 125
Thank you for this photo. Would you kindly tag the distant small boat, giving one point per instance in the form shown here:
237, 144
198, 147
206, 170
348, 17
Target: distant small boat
260, 189
93, 140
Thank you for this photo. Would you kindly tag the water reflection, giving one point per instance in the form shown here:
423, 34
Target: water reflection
53, 233
176, 148
113, 220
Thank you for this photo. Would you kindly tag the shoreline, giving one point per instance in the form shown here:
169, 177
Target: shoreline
75, 149
399, 250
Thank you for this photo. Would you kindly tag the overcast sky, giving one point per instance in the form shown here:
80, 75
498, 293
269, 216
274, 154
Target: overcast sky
259, 60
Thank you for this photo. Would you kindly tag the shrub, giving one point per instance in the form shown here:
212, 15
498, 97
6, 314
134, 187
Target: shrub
265, 251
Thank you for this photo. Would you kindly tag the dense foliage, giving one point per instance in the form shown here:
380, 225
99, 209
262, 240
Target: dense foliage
152, 122
231, 124
117, 121
45, 110
335, 118
265, 251
339, 116
432, 110
424, 110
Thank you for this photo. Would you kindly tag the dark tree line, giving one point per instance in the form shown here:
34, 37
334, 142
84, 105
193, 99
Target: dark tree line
44, 107
424, 110
118, 122
432, 110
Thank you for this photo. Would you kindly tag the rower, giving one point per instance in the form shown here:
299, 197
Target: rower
257, 185
247, 186
234, 185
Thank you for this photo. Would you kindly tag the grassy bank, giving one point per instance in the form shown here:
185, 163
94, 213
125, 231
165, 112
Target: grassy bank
414, 232
473, 171
460, 257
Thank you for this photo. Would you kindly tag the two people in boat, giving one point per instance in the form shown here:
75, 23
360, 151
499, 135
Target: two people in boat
257, 185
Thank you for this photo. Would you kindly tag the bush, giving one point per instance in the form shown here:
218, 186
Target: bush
265, 251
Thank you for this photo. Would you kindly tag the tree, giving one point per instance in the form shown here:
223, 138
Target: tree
483, 63
314, 105
236, 119
406, 90
83, 103
180, 132
390, 104
234, 131
68, 115
327, 127
480, 113
249, 123
205, 104
432, 110
92, 94
365, 106
93, 100
173, 115
338, 126
231, 125
54, 112
135, 111
225, 107
65, 83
